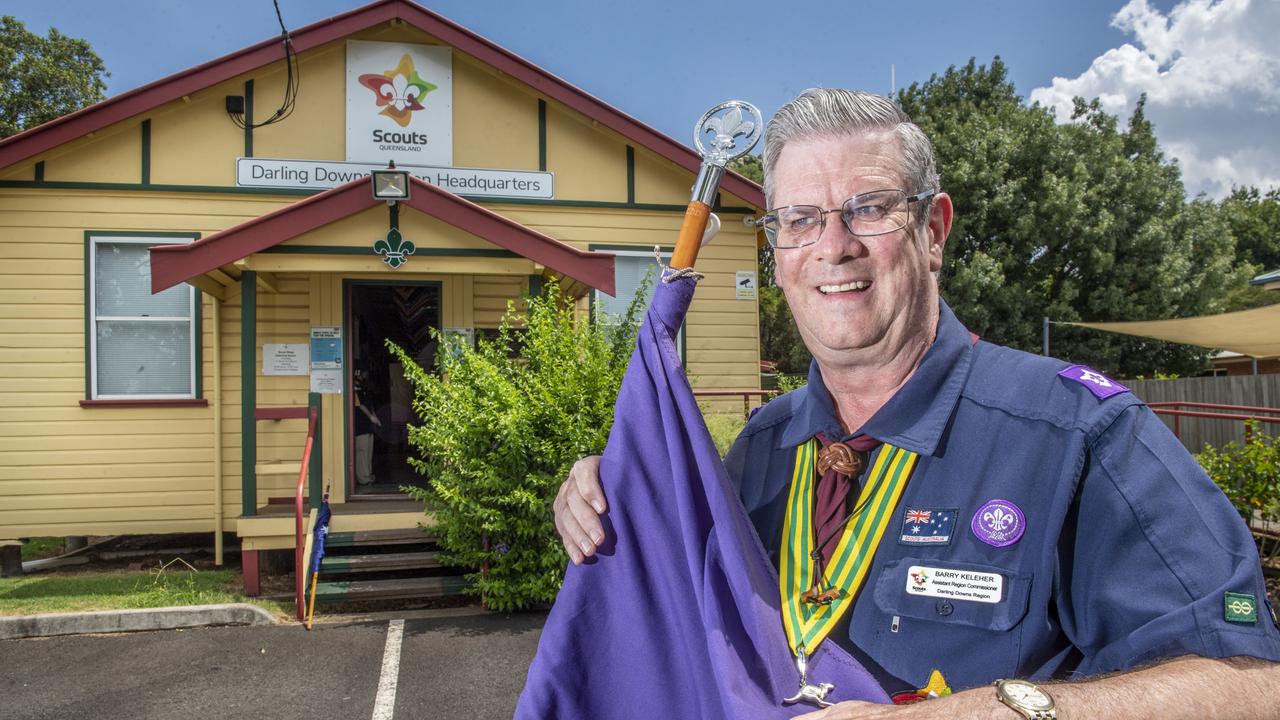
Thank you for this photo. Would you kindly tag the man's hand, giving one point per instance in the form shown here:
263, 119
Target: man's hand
578, 507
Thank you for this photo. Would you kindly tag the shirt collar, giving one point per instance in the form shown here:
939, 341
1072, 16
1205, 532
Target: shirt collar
916, 416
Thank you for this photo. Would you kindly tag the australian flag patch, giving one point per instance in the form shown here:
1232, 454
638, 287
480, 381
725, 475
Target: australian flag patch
928, 526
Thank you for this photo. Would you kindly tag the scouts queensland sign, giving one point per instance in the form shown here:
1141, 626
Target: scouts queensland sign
399, 103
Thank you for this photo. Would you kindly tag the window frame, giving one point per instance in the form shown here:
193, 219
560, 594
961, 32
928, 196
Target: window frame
665, 252
92, 239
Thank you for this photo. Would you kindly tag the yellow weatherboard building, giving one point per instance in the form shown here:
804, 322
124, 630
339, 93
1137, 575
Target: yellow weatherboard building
183, 286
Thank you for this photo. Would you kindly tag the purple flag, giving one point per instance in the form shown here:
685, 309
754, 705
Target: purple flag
678, 615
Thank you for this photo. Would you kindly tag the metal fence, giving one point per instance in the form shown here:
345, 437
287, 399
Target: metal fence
1256, 390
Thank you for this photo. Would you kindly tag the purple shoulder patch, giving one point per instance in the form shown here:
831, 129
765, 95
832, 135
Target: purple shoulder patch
1098, 384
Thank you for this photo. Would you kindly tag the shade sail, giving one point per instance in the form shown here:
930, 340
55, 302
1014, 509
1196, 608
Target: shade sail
1253, 332
678, 614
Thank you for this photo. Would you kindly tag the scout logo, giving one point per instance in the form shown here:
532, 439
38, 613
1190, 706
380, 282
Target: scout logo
920, 578
399, 91
395, 250
1240, 608
927, 526
998, 523
1100, 385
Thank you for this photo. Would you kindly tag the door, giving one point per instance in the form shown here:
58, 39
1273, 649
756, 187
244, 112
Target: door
379, 403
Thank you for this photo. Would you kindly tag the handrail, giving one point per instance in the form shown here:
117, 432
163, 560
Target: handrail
1212, 406
299, 550
1171, 408
745, 393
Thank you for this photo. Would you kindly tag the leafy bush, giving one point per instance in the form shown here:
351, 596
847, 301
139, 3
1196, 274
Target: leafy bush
1249, 474
502, 424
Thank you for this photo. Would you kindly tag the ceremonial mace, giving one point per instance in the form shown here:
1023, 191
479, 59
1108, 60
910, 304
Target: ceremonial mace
728, 123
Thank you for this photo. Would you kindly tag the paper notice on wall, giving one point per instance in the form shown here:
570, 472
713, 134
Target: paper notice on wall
326, 348
326, 381
745, 284
285, 359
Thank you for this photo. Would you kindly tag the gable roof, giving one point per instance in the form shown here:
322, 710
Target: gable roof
17, 148
173, 264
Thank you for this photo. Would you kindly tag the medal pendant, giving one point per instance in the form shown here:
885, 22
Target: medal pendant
813, 694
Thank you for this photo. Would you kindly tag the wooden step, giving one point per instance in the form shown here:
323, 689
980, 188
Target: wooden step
398, 589
402, 536
379, 561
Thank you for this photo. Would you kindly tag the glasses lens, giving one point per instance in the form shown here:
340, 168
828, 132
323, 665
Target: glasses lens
796, 225
875, 213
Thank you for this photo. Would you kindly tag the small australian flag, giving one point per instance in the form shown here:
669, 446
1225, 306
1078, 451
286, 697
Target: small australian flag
927, 526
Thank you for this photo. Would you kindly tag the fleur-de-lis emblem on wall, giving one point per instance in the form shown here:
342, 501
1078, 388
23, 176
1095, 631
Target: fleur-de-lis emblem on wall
399, 91
998, 520
395, 250
728, 127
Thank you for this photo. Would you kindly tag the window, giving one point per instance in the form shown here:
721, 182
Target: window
141, 346
630, 267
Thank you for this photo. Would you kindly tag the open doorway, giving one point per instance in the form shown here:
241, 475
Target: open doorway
380, 404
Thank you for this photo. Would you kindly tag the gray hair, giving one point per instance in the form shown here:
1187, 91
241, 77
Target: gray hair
831, 112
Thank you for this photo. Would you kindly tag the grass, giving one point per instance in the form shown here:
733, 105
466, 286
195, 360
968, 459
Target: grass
164, 586
41, 547
724, 428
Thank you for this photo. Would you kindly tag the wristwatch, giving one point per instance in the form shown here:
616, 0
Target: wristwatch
1028, 699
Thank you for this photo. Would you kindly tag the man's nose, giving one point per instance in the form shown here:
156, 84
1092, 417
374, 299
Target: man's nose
835, 242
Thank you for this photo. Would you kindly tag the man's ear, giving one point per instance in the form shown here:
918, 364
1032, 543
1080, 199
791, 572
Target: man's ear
938, 228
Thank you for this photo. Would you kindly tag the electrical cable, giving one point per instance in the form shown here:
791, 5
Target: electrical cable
293, 78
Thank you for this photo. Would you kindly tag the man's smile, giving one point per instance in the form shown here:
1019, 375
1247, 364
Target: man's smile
852, 286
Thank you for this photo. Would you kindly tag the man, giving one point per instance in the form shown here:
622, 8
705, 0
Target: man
1021, 518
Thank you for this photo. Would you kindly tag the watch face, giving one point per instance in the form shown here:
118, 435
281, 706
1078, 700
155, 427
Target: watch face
1027, 695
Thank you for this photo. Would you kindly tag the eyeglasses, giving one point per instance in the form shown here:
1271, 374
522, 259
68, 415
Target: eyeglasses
872, 213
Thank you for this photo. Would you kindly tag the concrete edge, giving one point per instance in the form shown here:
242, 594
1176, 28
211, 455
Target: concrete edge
139, 620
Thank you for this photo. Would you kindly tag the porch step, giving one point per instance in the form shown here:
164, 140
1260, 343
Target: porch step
377, 562
393, 589
406, 536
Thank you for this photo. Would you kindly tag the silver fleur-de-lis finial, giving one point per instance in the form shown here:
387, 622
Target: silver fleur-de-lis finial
734, 134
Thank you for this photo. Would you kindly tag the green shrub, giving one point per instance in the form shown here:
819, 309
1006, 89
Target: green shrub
1249, 474
501, 425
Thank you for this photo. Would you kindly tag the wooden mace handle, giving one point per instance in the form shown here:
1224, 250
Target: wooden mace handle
691, 230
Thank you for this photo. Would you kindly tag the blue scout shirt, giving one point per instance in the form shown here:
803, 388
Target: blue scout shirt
1128, 553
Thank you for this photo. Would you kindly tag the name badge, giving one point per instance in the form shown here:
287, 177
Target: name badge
971, 585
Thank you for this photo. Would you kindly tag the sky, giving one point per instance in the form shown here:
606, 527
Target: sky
1210, 68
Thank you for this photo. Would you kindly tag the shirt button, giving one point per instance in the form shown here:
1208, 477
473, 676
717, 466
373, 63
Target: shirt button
945, 607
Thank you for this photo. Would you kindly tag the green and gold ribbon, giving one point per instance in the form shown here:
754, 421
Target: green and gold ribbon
807, 624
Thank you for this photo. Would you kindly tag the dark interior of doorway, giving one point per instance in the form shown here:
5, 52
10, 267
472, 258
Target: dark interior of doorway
405, 315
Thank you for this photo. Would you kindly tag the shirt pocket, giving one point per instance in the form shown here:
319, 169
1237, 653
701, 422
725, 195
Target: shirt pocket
970, 641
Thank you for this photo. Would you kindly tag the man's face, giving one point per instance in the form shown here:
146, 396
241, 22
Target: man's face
849, 293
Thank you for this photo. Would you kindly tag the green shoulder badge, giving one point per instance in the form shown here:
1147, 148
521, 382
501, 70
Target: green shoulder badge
1240, 608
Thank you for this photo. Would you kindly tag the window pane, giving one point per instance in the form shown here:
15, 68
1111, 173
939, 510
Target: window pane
122, 284
628, 271
144, 358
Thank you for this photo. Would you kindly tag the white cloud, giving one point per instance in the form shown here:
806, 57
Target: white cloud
1211, 72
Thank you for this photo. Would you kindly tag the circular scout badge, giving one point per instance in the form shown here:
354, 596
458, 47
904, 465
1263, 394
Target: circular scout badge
998, 523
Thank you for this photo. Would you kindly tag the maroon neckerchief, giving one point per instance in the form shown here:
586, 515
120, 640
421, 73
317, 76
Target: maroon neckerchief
839, 464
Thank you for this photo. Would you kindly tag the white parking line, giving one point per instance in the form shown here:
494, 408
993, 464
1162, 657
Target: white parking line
384, 705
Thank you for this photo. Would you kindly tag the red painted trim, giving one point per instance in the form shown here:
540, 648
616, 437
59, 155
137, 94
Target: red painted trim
146, 98
173, 264
196, 402
249, 572
281, 413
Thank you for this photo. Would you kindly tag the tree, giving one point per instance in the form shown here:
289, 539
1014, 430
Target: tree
42, 78
1077, 221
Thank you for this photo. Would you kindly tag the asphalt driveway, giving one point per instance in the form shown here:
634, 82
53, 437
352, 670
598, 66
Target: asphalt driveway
460, 665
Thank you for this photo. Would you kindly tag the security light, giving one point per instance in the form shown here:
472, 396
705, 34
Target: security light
391, 184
